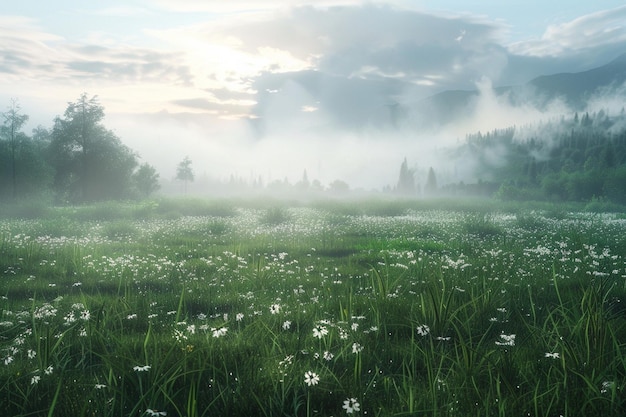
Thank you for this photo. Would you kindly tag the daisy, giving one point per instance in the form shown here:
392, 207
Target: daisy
351, 405
311, 378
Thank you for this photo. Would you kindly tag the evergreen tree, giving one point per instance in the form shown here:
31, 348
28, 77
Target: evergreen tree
431, 182
406, 180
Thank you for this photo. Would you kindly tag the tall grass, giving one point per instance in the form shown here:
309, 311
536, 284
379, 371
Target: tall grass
319, 310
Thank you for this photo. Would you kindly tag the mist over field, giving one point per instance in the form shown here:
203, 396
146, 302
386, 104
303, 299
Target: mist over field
311, 208
335, 94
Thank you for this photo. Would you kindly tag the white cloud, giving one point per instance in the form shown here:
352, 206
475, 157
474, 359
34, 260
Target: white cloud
594, 30
234, 6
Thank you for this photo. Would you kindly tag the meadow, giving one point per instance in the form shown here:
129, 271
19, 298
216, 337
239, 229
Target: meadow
265, 308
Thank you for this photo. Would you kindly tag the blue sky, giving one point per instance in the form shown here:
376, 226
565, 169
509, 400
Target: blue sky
199, 77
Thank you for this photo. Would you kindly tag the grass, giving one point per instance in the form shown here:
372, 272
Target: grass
224, 308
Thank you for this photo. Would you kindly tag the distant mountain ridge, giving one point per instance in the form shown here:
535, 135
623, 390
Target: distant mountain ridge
322, 102
574, 89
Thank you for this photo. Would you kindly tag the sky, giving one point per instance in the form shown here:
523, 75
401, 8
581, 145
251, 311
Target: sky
270, 88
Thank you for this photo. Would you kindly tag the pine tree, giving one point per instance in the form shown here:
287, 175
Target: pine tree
406, 181
431, 182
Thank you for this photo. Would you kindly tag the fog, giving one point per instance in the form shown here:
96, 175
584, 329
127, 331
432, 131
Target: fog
266, 95
296, 138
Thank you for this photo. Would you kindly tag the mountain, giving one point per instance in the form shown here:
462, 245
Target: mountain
317, 101
577, 88
573, 88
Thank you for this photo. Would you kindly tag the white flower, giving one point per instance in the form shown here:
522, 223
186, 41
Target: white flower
423, 330
100, 386
31, 354
328, 356
320, 331
311, 378
48, 370
35, 379
85, 315
155, 413
275, 308
354, 326
239, 316
506, 340
606, 386
554, 355
141, 368
219, 332
286, 325
351, 405
356, 347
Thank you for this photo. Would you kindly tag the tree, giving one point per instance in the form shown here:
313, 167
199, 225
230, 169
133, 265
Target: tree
90, 162
431, 182
339, 187
13, 122
146, 180
184, 172
406, 181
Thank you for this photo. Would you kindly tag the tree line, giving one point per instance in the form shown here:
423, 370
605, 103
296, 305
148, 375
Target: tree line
579, 158
78, 160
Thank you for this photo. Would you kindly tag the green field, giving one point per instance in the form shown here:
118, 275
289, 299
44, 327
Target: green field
264, 308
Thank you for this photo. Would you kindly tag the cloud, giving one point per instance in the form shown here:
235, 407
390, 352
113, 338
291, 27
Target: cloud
29, 53
595, 30
218, 6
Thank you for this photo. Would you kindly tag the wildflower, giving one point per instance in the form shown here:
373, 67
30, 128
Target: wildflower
35, 379
351, 405
131, 316
179, 335
69, 318
320, 331
83, 332
155, 413
287, 361
275, 308
356, 348
311, 378
219, 332
354, 326
239, 316
423, 330
8, 360
554, 355
328, 356
141, 368
48, 370
31, 354
286, 325
606, 386
100, 386
506, 340
85, 315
